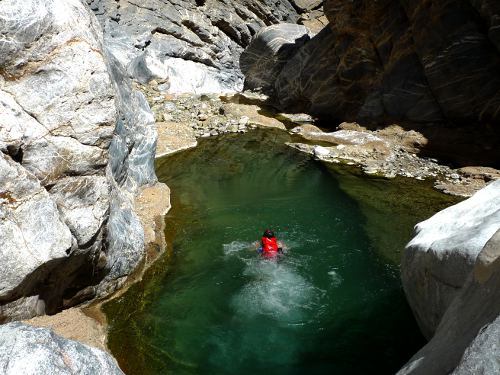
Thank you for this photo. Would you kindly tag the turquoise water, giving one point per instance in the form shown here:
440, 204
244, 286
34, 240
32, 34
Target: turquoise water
332, 305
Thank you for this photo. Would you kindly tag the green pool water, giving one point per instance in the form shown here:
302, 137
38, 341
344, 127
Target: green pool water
333, 305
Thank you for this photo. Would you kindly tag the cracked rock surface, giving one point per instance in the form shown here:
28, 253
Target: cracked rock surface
76, 144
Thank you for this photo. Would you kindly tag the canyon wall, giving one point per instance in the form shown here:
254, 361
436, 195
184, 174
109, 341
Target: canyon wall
431, 66
451, 276
76, 145
423, 61
190, 45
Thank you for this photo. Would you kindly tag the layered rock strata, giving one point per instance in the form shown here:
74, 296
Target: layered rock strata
194, 45
76, 144
451, 274
29, 350
398, 61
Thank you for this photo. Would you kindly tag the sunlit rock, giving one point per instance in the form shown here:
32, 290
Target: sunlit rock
466, 339
441, 255
28, 350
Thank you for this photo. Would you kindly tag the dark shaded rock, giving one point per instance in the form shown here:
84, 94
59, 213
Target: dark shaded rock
272, 47
358, 69
460, 61
399, 61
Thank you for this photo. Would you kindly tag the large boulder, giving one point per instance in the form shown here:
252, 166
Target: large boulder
269, 51
441, 255
199, 39
76, 145
38, 351
467, 338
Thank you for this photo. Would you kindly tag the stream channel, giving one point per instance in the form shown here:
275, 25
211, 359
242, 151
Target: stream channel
332, 305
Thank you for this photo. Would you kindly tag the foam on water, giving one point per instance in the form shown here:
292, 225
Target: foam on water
276, 290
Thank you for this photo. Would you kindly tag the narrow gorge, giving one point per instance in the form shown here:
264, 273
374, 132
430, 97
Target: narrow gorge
145, 146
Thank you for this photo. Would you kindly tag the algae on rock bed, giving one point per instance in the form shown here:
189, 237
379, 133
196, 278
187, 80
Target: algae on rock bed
216, 191
391, 207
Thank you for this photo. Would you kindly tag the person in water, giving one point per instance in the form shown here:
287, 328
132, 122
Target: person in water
269, 246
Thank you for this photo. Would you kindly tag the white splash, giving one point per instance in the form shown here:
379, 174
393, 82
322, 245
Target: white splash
276, 290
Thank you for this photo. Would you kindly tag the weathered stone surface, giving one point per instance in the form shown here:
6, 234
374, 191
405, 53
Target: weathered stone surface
83, 203
152, 204
251, 114
168, 39
76, 144
481, 356
31, 232
269, 51
438, 260
392, 61
130, 166
466, 340
28, 350
60, 109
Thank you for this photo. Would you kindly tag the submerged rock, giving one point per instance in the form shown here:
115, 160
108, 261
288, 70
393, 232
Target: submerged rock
380, 61
28, 350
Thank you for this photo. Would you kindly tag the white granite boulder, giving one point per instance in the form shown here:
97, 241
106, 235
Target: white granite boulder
439, 258
31, 232
39, 351
76, 143
467, 340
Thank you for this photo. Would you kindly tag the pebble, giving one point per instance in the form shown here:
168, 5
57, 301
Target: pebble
244, 120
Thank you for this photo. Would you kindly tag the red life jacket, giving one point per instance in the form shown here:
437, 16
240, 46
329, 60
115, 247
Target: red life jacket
269, 245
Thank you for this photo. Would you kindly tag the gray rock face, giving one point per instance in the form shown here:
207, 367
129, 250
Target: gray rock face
440, 257
481, 356
467, 338
83, 203
307, 4
76, 144
193, 45
38, 351
131, 165
269, 51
